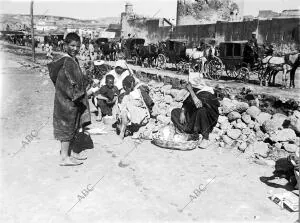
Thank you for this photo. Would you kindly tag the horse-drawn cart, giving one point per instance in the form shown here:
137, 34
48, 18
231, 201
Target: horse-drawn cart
173, 51
130, 48
239, 60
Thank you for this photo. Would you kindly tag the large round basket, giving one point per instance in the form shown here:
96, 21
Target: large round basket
184, 146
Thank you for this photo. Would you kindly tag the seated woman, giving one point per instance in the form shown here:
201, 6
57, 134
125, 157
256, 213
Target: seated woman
132, 109
199, 113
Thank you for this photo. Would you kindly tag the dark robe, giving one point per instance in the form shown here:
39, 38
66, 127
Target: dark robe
201, 120
71, 107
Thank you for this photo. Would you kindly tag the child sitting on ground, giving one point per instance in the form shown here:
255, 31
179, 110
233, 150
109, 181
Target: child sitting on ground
132, 109
106, 97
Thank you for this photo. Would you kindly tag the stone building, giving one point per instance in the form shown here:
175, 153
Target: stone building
193, 12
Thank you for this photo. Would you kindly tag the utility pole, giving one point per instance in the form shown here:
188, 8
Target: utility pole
32, 31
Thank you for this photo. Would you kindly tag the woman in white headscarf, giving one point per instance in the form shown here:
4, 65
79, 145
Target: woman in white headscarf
199, 113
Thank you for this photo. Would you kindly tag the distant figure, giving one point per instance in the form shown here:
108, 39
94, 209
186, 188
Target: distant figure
48, 49
253, 39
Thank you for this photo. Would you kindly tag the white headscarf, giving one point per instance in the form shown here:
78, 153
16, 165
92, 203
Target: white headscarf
197, 81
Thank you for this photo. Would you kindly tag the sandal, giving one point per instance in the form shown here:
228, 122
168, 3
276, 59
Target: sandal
69, 161
79, 156
204, 144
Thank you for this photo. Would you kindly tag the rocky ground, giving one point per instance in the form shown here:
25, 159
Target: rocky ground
242, 125
133, 180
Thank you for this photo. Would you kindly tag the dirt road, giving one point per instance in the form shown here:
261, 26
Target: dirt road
120, 181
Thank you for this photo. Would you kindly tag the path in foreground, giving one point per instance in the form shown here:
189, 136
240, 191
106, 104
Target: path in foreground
149, 184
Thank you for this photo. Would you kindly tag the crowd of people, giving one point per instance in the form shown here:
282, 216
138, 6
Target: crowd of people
120, 96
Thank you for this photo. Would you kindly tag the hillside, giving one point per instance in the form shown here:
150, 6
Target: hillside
109, 20
21, 21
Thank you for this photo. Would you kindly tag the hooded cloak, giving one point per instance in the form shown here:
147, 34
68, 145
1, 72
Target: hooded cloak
71, 108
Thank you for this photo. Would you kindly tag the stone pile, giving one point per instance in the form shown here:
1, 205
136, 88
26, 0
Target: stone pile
241, 125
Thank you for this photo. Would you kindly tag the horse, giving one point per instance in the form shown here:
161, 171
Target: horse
149, 52
200, 55
114, 49
109, 50
287, 64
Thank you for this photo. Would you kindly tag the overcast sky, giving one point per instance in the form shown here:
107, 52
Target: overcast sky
112, 8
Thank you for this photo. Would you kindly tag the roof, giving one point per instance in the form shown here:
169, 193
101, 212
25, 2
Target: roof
267, 14
178, 40
291, 12
242, 41
12, 32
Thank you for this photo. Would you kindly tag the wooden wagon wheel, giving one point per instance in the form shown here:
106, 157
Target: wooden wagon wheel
244, 74
161, 60
231, 70
196, 66
185, 67
261, 72
214, 69
179, 66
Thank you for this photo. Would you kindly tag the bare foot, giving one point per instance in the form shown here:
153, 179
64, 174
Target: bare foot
69, 161
205, 143
99, 117
122, 131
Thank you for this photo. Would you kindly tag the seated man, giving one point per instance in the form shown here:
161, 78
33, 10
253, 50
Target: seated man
132, 109
199, 113
106, 97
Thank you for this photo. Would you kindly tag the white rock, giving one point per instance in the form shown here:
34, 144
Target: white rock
174, 92
246, 118
291, 148
261, 148
240, 125
227, 106
168, 99
253, 111
241, 107
295, 122
242, 146
246, 131
227, 140
166, 88
233, 116
283, 135
263, 116
260, 136
163, 119
278, 145
225, 126
270, 126
234, 133
256, 127
251, 125
222, 144
279, 118
243, 137
297, 114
